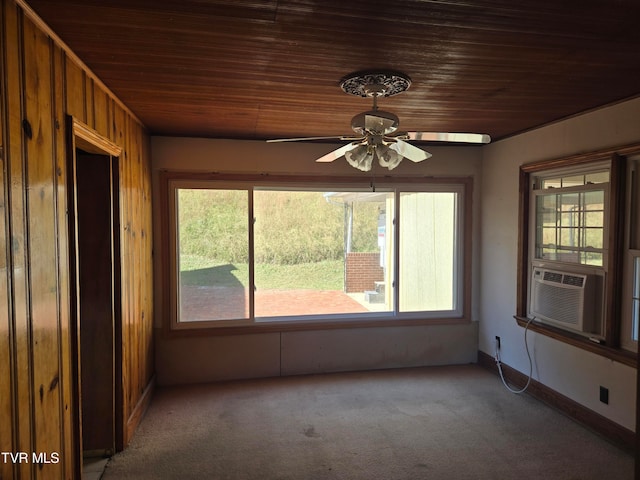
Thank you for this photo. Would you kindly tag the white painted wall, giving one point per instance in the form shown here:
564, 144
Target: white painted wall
571, 371
212, 358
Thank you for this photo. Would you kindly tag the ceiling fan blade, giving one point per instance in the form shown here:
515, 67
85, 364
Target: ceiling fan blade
336, 154
408, 151
302, 139
449, 137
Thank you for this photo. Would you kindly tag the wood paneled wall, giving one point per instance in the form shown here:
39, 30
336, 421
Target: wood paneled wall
41, 83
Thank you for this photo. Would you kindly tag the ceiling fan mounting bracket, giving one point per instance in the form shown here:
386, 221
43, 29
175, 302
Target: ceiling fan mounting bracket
375, 83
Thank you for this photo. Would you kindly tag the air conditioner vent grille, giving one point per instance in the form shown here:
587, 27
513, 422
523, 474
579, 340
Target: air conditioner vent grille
573, 280
552, 277
558, 304
565, 299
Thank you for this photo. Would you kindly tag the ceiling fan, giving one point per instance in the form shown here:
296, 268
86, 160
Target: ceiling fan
376, 130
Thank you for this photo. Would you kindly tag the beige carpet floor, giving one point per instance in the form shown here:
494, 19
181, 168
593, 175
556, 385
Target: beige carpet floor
432, 423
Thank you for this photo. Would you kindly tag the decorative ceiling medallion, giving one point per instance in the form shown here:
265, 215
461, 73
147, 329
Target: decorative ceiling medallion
375, 83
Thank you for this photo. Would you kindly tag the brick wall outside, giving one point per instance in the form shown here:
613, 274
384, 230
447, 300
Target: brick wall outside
362, 270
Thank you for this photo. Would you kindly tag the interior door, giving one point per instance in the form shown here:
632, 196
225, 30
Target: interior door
94, 192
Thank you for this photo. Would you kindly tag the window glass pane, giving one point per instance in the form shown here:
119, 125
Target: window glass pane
568, 237
574, 230
213, 254
568, 219
594, 200
636, 277
551, 183
549, 236
569, 202
594, 219
635, 317
320, 253
573, 181
598, 177
593, 258
427, 270
593, 238
635, 305
549, 204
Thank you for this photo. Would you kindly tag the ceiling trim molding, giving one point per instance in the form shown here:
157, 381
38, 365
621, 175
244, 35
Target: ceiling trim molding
586, 157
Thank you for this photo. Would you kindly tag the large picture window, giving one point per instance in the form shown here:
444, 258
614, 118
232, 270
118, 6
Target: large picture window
247, 253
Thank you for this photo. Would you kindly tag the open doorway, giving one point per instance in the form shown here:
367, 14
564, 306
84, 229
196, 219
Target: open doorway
95, 259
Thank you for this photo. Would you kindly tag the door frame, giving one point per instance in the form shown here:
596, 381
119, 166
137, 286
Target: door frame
81, 136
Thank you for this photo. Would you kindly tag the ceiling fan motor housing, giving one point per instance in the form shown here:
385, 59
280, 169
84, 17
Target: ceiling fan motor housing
375, 122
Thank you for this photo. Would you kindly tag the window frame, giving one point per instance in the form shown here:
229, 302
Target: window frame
635, 295
170, 179
633, 305
610, 346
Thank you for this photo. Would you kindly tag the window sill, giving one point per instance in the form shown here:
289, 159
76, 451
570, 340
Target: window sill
615, 354
288, 326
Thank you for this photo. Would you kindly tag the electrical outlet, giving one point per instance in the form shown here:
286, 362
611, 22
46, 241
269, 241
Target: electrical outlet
497, 342
604, 395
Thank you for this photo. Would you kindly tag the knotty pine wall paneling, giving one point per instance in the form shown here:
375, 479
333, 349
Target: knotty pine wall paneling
6, 354
66, 350
41, 83
41, 242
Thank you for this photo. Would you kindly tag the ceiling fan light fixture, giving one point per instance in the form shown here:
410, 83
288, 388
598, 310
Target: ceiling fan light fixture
360, 157
387, 157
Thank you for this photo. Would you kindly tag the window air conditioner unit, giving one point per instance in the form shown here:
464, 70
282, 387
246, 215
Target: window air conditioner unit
566, 300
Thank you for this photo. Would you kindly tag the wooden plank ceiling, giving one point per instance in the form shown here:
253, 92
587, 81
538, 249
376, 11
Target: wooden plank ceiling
270, 69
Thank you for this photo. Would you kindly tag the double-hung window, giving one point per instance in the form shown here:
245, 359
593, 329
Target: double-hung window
247, 252
569, 229
578, 272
